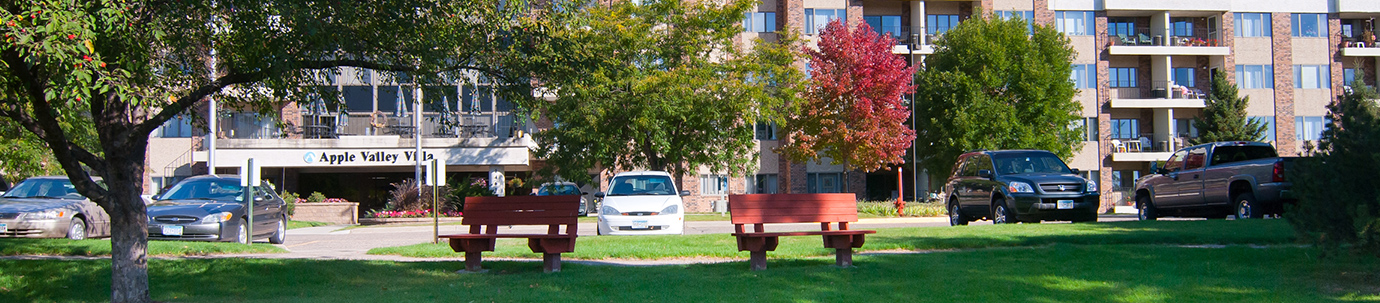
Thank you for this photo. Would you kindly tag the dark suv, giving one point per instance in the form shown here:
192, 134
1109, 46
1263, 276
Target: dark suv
1009, 186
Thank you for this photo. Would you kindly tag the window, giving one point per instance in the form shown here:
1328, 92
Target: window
1175, 162
1312, 76
1348, 76
766, 131
358, 98
1028, 16
1124, 179
816, 19
713, 185
1083, 76
824, 183
1255, 76
1252, 24
388, 101
1184, 76
1197, 158
759, 22
176, 127
1119, 27
1309, 128
938, 24
1122, 76
1074, 23
1269, 122
1087, 125
1310, 25
1125, 129
885, 25
1182, 27
1186, 128
762, 184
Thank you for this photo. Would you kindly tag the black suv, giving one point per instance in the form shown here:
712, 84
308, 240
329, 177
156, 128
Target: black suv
1010, 186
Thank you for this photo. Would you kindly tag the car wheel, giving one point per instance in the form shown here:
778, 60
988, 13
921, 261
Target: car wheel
1002, 215
1246, 207
279, 236
1145, 211
242, 233
956, 216
77, 231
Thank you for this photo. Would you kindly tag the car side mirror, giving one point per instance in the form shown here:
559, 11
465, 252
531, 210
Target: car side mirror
1076, 171
584, 193
986, 174
684, 193
1155, 167
599, 195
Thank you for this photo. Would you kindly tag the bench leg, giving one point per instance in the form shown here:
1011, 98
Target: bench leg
843, 257
472, 259
758, 260
551, 262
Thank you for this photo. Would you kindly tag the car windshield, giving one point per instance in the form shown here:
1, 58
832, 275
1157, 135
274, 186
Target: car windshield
642, 185
44, 188
205, 189
557, 190
1038, 163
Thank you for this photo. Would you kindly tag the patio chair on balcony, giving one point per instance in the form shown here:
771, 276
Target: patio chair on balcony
1117, 147
1144, 39
1145, 143
1125, 40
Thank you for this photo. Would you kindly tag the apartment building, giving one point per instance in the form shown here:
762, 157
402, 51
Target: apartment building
1143, 67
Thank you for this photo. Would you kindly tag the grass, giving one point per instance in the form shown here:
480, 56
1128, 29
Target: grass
883, 209
1216, 232
301, 224
1046, 273
101, 247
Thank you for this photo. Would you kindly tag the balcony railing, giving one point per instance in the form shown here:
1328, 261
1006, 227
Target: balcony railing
1159, 90
1149, 143
329, 126
903, 36
1144, 37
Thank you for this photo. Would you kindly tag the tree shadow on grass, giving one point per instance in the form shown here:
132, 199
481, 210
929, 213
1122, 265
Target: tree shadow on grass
1260, 232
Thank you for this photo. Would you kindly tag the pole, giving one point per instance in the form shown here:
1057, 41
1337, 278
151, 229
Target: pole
435, 216
915, 149
900, 193
249, 178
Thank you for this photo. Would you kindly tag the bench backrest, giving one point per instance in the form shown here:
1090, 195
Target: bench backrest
793, 208
522, 210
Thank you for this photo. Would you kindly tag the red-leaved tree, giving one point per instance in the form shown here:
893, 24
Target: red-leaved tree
853, 111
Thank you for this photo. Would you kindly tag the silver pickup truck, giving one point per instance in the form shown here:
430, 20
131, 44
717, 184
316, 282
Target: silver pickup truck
1214, 180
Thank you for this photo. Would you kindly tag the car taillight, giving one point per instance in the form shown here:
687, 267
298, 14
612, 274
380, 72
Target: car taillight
1278, 174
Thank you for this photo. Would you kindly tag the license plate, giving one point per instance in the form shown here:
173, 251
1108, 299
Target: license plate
172, 230
4, 228
639, 224
1065, 204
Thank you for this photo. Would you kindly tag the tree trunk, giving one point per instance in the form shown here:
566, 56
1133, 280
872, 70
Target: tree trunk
129, 223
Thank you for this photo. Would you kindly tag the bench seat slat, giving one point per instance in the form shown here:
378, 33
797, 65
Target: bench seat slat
523, 213
548, 205
490, 236
807, 233
515, 221
793, 219
520, 199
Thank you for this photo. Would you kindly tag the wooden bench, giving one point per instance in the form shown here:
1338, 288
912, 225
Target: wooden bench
489, 213
825, 209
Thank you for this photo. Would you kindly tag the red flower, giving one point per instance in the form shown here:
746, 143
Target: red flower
71, 36
87, 58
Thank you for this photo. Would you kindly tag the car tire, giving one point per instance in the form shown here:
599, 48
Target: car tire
956, 215
279, 236
242, 233
1001, 214
1145, 210
1246, 207
77, 229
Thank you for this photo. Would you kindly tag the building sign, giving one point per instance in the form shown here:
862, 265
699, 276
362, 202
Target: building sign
362, 157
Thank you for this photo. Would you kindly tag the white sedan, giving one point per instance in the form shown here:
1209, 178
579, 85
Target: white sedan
642, 203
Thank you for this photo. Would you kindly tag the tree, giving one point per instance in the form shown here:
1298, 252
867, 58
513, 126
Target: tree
1224, 118
853, 112
1336, 187
991, 84
121, 68
665, 88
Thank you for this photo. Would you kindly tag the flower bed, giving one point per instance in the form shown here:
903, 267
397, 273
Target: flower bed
425, 213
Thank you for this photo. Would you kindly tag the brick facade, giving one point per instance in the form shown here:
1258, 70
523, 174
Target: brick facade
1283, 46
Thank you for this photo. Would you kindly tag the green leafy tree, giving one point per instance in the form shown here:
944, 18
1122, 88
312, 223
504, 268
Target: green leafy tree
122, 68
661, 85
992, 85
1224, 118
1336, 186
853, 112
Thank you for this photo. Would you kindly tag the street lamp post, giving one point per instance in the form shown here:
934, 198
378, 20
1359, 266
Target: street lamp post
914, 93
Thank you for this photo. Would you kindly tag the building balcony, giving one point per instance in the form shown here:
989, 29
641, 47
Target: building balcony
1184, 43
1146, 148
249, 130
1361, 49
909, 40
1162, 95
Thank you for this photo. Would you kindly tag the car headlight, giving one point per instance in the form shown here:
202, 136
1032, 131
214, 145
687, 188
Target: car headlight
217, 217
1090, 187
671, 210
606, 210
46, 215
1019, 187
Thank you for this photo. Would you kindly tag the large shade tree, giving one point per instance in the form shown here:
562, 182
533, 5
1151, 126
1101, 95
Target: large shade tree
853, 111
993, 84
666, 88
121, 68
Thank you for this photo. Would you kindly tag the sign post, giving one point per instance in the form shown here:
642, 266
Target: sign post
435, 176
249, 179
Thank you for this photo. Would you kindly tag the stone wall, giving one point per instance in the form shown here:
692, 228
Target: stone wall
334, 213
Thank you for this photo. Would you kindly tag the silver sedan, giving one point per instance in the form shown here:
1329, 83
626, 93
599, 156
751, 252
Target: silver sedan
50, 207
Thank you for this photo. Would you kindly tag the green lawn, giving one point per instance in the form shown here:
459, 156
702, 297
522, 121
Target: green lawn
301, 224
1262, 232
1049, 273
101, 247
